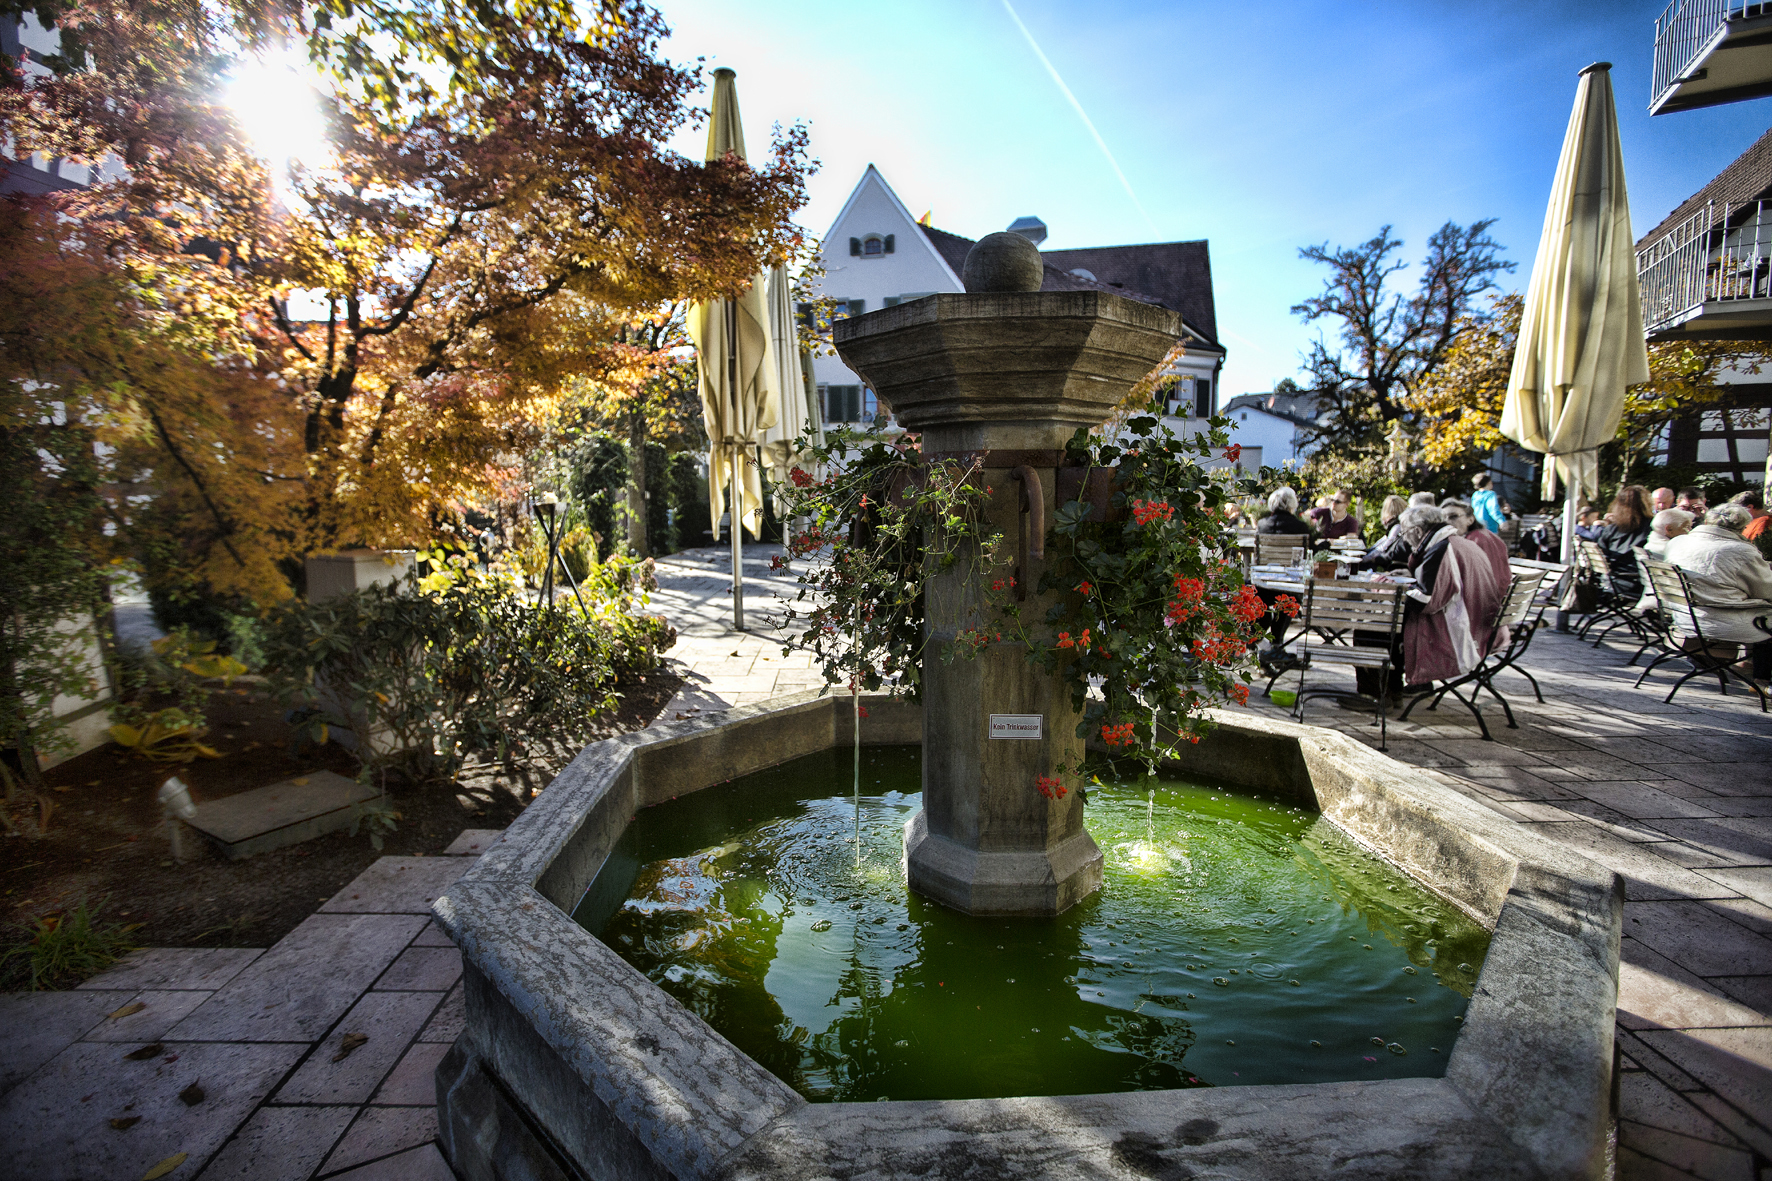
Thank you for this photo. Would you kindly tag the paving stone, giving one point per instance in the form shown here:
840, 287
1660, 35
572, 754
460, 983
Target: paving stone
1647, 876
202, 968
1512, 783
36, 1026
1755, 916
414, 1081
1633, 748
1656, 993
450, 1019
1754, 1135
1725, 779
390, 1020
280, 1144
1642, 802
415, 1164
426, 969
57, 1121
381, 1131
1617, 823
1469, 751
296, 990
1710, 744
1736, 1063
1754, 882
1645, 1100
1653, 1061
433, 936
1420, 754
1634, 1166
1753, 991
1697, 1157
281, 814
1698, 939
164, 1010
397, 885
472, 842
1727, 839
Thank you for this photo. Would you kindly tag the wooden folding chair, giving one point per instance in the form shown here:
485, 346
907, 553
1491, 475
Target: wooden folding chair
1593, 562
1686, 634
1512, 613
1334, 607
1279, 549
1550, 594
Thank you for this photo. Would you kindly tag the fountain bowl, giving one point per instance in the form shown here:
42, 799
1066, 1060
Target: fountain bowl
573, 1065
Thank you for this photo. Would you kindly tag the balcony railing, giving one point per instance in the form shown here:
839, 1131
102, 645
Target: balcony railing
1721, 254
1683, 31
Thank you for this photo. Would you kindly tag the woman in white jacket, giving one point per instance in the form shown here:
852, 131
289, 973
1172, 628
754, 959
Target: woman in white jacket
1731, 583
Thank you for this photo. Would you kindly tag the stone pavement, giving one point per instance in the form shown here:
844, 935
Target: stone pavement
724, 668
311, 1059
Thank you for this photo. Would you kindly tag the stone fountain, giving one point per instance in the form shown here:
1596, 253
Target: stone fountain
1001, 377
572, 1064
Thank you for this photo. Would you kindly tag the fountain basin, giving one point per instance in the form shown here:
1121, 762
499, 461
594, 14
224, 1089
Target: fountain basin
573, 1064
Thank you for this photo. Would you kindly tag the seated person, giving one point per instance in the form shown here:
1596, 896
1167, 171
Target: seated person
1282, 516
1731, 585
1446, 625
1464, 517
1625, 528
1587, 523
1390, 551
1692, 501
1664, 526
1340, 523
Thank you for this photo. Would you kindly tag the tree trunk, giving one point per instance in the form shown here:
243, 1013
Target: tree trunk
637, 487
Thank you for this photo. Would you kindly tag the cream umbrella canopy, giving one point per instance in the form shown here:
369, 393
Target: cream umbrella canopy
1581, 331
740, 395
782, 442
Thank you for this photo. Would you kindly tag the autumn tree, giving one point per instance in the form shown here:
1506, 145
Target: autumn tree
1460, 403
477, 244
1387, 344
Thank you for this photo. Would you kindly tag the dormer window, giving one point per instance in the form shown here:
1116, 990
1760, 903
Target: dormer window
871, 245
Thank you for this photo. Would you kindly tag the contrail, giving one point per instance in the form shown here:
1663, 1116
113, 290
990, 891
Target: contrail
1081, 113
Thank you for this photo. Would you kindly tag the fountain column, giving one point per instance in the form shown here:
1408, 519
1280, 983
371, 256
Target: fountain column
1005, 372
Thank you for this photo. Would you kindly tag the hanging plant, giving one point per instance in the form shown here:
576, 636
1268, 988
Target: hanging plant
1153, 625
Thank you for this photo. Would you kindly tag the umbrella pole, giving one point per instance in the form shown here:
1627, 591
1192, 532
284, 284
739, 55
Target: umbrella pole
735, 512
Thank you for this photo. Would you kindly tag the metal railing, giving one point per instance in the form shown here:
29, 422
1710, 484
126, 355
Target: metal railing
1722, 253
1682, 31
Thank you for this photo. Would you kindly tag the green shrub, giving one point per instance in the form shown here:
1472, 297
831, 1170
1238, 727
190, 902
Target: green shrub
599, 487
458, 664
60, 950
689, 500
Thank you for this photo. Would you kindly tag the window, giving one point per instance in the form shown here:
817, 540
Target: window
848, 403
842, 309
872, 245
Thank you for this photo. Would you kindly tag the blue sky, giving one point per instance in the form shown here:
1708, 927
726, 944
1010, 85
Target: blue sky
1262, 128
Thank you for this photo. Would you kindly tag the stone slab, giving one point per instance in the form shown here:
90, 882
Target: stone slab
161, 1011
1639, 801
472, 842
424, 1163
57, 1123
279, 1144
282, 814
1689, 1155
1699, 939
1656, 993
448, 1021
1732, 1062
382, 1131
413, 1082
36, 1026
202, 968
296, 990
1644, 1099
433, 936
423, 969
1755, 882
390, 1020
397, 885
1646, 875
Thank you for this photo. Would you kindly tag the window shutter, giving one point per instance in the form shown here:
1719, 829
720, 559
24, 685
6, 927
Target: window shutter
855, 246
803, 313
1203, 397
889, 238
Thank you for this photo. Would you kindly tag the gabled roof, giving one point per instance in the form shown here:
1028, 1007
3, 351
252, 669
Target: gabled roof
1296, 409
1749, 178
1120, 270
873, 175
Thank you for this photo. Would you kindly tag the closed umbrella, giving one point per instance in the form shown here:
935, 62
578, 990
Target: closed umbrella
737, 378
1581, 332
782, 442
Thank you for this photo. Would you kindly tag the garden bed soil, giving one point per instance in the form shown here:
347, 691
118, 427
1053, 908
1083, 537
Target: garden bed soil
106, 843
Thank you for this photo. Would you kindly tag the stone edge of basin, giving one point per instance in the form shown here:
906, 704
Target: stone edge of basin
572, 1056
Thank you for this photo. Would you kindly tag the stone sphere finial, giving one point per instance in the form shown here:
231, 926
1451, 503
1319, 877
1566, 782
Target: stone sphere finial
1003, 262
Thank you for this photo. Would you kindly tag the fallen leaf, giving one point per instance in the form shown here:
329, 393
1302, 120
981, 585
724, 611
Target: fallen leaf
302, 782
64, 789
128, 1009
348, 1043
146, 1052
166, 1166
125, 1122
191, 1095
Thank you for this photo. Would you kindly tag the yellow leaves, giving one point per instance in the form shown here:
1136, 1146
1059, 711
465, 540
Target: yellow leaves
166, 1166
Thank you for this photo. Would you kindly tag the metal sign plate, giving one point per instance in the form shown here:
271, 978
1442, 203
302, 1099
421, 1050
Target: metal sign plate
1018, 726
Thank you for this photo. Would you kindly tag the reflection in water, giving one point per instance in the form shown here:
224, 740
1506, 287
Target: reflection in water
1235, 940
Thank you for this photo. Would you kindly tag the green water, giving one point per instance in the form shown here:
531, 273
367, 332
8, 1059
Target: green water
1235, 940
